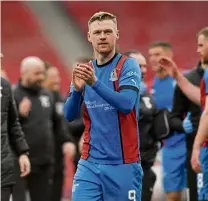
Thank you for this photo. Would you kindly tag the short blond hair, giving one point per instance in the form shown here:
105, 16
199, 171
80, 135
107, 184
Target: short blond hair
204, 32
100, 16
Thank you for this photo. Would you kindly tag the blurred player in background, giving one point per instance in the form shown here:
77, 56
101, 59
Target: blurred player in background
63, 146
110, 89
174, 149
199, 97
148, 144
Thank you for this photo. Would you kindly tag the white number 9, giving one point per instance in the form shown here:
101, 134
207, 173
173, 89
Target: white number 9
132, 195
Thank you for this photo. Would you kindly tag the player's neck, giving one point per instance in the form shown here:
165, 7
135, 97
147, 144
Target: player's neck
104, 58
161, 74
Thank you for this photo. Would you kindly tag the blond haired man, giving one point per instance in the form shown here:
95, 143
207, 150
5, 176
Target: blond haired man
109, 168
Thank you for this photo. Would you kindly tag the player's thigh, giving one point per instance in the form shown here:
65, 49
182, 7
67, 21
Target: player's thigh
174, 170
86, 184
122, 182
86, 191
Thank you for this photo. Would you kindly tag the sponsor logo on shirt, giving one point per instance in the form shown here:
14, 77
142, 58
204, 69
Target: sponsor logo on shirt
114, 76
131, 73
45, 101
94, 105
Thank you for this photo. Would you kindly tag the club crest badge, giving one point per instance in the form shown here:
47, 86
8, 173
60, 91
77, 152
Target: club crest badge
114, 76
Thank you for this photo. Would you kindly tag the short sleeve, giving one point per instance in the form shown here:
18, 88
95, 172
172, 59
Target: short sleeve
130, 77
206, 80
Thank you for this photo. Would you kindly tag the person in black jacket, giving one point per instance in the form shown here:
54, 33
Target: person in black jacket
40, 123
52, 83
12, 142
148, 144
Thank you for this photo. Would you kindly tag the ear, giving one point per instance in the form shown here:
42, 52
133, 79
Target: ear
117, 34
88, 36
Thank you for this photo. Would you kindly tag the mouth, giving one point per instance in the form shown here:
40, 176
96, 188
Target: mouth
102, 43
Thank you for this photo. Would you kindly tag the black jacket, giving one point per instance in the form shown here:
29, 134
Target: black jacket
182, 105
12, 137
41, 124
148, 145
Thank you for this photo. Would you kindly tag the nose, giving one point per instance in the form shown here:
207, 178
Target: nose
102, 36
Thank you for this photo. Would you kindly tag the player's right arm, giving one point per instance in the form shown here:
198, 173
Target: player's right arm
191, 91
73, 103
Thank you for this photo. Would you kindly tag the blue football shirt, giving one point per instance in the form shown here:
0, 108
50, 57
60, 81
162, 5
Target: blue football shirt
108, 140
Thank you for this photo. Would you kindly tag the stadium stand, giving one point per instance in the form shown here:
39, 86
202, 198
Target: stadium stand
21, 37
141, 23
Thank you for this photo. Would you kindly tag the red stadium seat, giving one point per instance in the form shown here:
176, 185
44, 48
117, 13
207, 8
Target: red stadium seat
21, 37
141, 23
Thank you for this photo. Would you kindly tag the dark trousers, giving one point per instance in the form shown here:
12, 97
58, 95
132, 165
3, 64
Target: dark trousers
191, 178
38, 183
148, 184
57, 186
6, 191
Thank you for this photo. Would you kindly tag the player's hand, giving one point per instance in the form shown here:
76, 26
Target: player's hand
86, 72
69, 150
187, 124
25, 106
24, 165
169, 65
195, 163
77, 81
81, 141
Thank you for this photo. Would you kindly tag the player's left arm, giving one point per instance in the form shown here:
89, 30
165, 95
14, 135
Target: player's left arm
202, 133
129, 84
